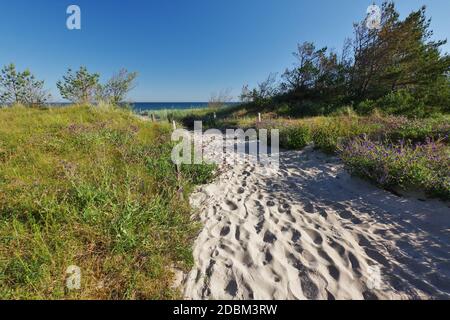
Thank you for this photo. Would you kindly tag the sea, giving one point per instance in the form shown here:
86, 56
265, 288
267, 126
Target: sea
145, 106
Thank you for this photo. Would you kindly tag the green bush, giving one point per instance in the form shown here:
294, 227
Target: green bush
327, 137
365, 107
295, 137
401, 102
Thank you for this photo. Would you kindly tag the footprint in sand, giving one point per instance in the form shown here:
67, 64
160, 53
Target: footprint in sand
240, 190
296, 235
334, 272
237, 234
336, 246
270, 203
269, 237
268, 257
290, 217
309, 208
345, 214
315, 236
225, 231
309, 257
232, 288
284, 207
309, 288
231, 205
259, 226
354, 263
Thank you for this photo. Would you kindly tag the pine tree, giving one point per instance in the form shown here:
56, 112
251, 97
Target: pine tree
79, 87
21, 87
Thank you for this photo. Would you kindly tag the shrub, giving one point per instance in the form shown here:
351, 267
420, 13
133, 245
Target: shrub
116, 89
21, 88
79, 87
420, 130
327, 137
401, 102
401, 128
296, 137
365, 107
425, 166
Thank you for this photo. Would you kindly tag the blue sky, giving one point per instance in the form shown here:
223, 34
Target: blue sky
183, 50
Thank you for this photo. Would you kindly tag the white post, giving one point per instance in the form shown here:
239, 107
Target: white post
174, 124
259, 117
215, 116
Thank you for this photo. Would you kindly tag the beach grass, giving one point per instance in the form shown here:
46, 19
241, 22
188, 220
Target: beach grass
92, 187
179, 113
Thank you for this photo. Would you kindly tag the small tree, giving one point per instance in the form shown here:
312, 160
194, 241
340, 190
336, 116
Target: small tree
246, 94
79, 87
21, 87
220, 99
267, 89
307, 68
116, 89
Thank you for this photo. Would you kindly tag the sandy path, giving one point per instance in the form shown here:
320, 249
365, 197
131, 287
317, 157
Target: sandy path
310, 231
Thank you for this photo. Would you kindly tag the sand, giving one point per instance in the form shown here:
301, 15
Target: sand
311, 231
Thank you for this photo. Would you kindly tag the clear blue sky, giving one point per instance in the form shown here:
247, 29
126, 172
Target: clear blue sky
183, 49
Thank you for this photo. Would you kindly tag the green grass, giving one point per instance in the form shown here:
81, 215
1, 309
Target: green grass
425, 166
176, 114
295, 137
92, 187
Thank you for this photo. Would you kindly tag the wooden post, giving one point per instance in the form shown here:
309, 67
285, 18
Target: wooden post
180, 189
153, 117
174, 124
259, 117
215, 116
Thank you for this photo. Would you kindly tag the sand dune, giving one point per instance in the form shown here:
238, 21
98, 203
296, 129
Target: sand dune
310, 231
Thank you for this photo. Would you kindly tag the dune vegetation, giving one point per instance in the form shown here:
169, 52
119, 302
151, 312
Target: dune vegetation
391, 151
94, 188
